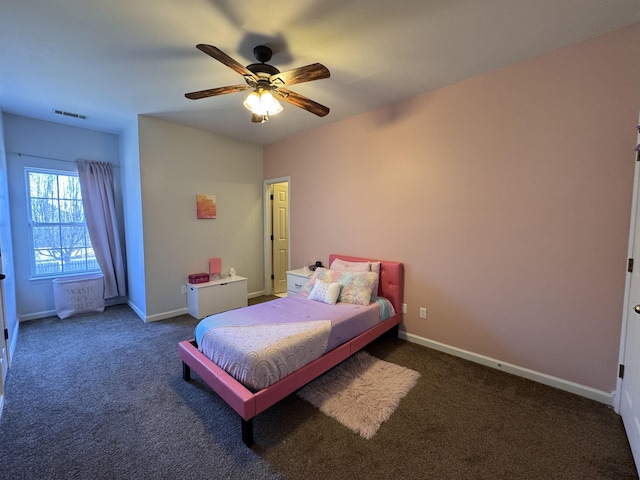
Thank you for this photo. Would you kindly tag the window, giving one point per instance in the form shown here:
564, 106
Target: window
60, 240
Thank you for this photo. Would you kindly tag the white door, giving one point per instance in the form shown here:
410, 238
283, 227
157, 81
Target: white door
4, 353
629, 383
280, 245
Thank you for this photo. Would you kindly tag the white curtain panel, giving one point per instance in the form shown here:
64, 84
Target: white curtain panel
96, 184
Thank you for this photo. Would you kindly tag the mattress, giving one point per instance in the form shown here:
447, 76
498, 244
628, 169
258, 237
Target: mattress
260, 344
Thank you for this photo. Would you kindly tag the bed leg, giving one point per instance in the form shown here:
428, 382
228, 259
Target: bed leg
186, 372
247, 431
394, 331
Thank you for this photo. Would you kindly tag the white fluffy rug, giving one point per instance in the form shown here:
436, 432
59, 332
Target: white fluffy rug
361, 392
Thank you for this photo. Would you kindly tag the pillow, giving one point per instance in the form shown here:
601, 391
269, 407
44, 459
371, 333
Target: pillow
375, 268
356, 286
325, 292
359, 287
343, 265
306, 290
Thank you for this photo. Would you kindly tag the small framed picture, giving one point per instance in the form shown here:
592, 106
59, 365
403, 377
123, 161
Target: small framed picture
206, 206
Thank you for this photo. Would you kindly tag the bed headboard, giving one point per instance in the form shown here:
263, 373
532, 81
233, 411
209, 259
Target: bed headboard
391, 285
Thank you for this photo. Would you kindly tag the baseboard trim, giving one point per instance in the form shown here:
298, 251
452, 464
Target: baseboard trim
37, 315
165, 315
566, 385
53, 313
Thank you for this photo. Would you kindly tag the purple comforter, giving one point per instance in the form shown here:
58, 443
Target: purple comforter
263, 343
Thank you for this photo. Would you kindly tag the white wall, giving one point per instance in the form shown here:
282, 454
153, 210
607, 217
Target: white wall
39, 142
164, 166
176, 163
134, 238
6, 242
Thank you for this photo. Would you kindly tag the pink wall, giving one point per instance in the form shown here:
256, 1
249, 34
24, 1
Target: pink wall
507, 196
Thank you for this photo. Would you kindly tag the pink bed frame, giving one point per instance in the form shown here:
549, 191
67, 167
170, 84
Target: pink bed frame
249, 404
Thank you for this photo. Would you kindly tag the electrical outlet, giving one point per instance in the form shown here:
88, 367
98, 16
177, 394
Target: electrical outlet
423, 312
404, 308
184, 289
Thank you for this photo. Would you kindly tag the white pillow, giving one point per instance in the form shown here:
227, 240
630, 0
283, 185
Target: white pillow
325, 292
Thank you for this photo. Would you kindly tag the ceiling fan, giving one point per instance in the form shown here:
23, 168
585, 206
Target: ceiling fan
266, 83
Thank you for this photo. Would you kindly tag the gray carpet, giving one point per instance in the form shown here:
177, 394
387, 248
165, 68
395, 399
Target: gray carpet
102, 397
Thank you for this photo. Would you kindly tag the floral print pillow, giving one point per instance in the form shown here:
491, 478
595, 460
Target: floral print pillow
356, 286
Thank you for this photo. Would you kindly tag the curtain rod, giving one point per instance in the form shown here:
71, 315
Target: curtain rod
20, 154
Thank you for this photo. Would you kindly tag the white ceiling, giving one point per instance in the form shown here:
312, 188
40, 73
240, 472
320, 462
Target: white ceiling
113, 59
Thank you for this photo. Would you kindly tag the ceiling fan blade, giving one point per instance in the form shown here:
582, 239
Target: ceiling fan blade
315, 71
222, 57
212, 92
302, 102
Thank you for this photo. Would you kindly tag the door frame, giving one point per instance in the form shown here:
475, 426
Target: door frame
268, 221
617, 402
627, 287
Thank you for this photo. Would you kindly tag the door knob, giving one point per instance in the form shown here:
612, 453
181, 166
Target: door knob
637, 309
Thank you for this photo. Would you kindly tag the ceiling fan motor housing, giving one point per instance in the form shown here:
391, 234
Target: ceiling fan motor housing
263, 68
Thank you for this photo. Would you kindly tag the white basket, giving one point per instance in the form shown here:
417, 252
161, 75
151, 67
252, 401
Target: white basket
78, 295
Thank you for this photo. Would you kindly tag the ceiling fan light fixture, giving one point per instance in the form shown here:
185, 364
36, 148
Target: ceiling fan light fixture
252, 102
269, 102
266, 83
262, 102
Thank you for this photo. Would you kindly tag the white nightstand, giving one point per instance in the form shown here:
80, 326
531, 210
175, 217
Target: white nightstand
204, 299
296, 279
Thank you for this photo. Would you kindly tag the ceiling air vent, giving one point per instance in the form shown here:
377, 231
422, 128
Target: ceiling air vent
70, 114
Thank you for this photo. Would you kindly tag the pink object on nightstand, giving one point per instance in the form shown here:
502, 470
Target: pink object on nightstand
215, 265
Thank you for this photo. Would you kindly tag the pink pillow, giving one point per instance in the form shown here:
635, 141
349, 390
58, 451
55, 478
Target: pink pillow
345, 266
